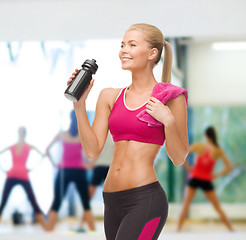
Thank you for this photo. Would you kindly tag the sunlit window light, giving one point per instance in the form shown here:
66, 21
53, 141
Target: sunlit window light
229, 46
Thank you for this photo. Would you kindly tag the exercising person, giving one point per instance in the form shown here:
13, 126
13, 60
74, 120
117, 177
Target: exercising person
18, 174
100, 168
100, 165
136, 205
201, 175
71, 169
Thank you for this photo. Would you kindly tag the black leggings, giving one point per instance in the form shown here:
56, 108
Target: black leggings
99, 175
9, 184
63, 179
135, 214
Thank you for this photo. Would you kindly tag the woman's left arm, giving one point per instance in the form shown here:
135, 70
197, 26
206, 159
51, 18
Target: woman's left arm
227, 168
37, 150
174, 117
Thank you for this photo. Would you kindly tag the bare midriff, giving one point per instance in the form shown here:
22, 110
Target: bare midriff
132, 166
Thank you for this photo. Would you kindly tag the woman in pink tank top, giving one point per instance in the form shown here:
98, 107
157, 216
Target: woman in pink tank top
140, 118
18, 174
71, 169
201, 175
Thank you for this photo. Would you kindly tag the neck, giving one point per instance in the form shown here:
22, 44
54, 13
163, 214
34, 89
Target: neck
21, 141
210, 143
143, 80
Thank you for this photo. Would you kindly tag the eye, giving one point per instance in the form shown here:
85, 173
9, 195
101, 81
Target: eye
133, 45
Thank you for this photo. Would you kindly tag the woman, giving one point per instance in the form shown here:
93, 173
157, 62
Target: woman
201, 174
71, 169
135, 204
18, 174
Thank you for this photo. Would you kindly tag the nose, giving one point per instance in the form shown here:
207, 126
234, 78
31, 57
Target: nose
124, 49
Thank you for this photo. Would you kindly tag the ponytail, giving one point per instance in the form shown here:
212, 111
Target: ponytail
211, 134
167, 63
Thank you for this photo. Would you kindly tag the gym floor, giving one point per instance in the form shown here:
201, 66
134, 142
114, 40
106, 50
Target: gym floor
65, 230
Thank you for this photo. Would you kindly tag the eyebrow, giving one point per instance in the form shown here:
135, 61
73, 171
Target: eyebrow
130, 41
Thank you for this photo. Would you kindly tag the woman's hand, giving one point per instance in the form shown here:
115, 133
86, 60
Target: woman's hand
159, 111
85, 93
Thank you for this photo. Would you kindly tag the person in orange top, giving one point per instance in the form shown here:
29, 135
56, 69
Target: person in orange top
201, 175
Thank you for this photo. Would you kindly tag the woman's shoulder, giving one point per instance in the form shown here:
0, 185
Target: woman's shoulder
197, 147
106, 100
170, 94
62, 135
180, 99
29, 145
110, 94
200, 145
111, 91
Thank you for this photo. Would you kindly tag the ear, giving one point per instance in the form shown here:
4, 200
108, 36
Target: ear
153, 53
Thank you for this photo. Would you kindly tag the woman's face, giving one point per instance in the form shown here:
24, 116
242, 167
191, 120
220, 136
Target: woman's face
135, 51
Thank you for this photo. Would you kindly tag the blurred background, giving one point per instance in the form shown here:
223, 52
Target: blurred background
42, 42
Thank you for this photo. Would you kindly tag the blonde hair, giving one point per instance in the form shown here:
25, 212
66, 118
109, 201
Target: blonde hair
156, 40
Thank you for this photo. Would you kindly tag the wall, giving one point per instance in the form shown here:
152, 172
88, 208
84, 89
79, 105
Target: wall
80, 19
215, 77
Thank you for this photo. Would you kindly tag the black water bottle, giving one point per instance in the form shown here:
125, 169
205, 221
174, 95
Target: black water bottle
82, 79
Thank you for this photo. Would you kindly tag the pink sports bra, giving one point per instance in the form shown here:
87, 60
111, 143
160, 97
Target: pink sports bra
124, 124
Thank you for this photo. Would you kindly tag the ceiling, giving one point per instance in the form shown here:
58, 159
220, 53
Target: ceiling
95, 19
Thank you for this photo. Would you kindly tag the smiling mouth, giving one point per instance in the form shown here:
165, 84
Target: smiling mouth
124, 59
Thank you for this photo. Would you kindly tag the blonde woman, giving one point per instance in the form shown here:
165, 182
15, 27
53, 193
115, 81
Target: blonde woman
136, 206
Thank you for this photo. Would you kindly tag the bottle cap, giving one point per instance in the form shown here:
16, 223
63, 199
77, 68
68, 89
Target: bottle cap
91, 64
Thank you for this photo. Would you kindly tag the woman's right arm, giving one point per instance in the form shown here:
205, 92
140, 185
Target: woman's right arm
228, 165
93, 137
193, 148
4, 150
56, 138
